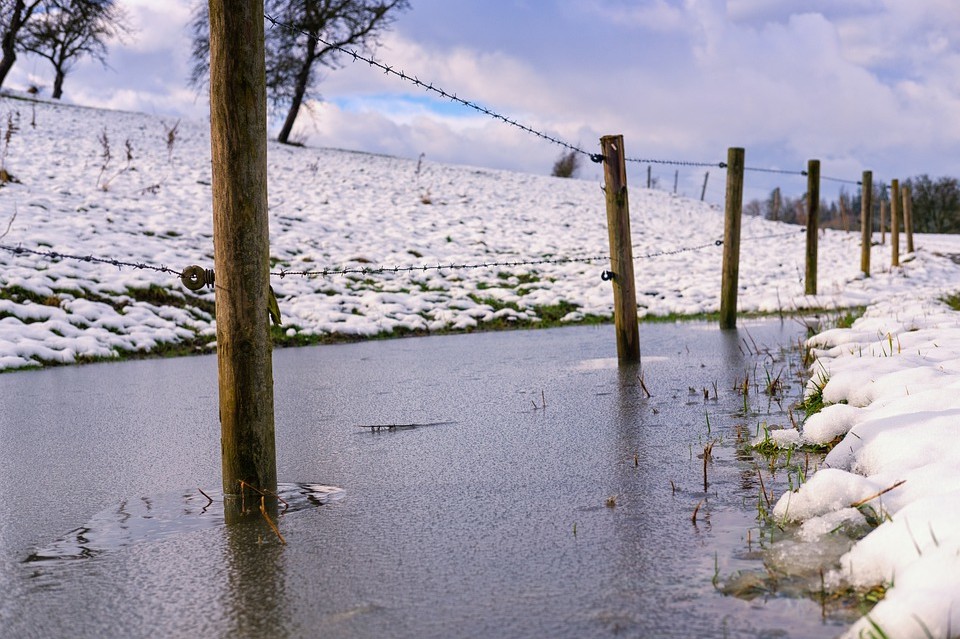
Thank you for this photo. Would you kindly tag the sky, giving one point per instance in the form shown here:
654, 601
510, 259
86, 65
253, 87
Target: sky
858, 84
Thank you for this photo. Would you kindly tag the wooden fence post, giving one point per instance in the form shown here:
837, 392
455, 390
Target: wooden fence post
883, 222
908, 216
703, 191
238, 140
895, 222
731, 238
621, 249
813, 215
866, 221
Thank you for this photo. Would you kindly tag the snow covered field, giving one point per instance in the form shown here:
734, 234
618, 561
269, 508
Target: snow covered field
339, 209
889, 380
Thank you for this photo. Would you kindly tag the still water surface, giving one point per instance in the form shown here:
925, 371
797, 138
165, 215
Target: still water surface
496, 517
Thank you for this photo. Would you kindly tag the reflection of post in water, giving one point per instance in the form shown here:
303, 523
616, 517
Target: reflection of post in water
254, 602
253, 503
241, 250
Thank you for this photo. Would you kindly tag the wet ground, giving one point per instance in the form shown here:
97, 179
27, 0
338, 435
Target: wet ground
532, 489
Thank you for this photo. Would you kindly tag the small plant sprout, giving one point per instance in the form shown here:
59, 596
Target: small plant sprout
106, 156
171, 138
696, 509
611, 501
10, 222
707, 455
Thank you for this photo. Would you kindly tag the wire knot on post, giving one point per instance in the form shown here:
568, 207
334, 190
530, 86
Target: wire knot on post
607, 276
195, 277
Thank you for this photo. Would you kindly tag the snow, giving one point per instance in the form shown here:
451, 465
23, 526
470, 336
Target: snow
889, 383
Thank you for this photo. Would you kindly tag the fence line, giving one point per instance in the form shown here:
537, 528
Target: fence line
384, 270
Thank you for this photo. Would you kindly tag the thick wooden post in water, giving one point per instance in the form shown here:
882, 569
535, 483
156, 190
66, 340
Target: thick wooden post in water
813, 219
866, 220
731, 238
621, 249
238, 139
894, 222
908, 216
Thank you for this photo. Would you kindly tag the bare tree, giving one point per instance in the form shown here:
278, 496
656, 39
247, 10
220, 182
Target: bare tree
14, 14
67, 30
293, 48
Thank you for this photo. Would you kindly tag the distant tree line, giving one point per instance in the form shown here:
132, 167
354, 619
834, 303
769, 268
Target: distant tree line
60, 31
936, 206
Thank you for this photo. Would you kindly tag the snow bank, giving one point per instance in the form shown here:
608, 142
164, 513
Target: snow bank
896, 371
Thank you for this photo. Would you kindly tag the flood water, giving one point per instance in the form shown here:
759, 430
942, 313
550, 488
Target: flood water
496, 516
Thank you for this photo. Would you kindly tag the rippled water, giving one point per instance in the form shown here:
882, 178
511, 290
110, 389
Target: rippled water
517, 484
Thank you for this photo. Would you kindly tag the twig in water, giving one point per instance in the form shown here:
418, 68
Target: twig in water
707, 452
823, 596
263, 511
643, 386
379, 427
209, 500
264, 493
763, 489
695, 511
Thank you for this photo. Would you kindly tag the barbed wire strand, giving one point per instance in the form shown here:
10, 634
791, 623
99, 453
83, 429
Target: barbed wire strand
430, 87
120, 264
757, 169
380, 270
841, 180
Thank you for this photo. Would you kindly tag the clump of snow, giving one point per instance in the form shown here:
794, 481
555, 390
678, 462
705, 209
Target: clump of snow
897, 372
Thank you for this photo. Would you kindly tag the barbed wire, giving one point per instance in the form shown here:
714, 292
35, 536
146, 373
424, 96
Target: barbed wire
677, 251
802, 229
120, 264
430, 87
378, 270
719, 165
758, 169
451, 266
841, 180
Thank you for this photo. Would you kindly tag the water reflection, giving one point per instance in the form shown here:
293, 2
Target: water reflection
256, 598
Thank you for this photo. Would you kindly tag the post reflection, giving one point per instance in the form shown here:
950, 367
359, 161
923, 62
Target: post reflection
255, 575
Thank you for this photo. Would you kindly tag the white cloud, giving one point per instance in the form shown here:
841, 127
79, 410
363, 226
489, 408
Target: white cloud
656, 15
158, 25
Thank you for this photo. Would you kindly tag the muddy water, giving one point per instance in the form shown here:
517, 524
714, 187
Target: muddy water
528, 487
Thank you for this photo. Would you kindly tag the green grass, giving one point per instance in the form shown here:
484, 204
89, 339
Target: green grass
953, 301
